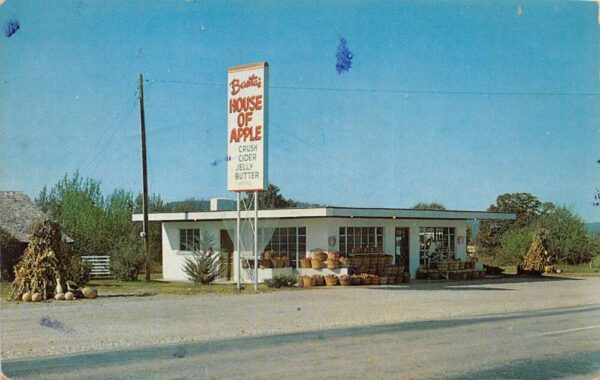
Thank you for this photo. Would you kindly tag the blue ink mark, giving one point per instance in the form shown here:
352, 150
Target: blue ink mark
344, 57
54, 324
11, 27
216, 163
180, 353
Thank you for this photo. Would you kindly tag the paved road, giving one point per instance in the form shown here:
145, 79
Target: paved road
545, 344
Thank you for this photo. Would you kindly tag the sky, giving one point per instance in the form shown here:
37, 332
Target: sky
455, 102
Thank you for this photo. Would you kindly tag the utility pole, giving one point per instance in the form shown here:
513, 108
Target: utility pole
145, 182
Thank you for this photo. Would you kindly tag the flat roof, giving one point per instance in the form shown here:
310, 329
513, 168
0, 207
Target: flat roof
328, 212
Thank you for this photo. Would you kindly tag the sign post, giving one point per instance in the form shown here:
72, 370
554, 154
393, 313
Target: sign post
247, 145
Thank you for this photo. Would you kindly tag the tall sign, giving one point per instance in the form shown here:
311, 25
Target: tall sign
247, 127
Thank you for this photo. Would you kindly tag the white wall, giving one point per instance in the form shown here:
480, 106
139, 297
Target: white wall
172, 258
318, 231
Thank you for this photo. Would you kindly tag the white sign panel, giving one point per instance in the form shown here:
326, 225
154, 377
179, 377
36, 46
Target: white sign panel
247, 127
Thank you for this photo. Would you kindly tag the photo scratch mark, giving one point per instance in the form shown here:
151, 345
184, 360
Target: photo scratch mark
216, 163
180, 352
520, 10
11, 27
344, 57
55, 324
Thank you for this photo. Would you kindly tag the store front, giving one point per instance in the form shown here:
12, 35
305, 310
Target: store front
400, 237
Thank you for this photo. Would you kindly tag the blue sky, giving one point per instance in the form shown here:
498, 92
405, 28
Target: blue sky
454, 102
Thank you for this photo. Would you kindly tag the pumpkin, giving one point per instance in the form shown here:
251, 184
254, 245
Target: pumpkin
59, 296
26, 297
69, 296
36, 297
89, 292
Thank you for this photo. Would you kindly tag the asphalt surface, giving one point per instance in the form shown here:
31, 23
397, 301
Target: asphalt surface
544, 344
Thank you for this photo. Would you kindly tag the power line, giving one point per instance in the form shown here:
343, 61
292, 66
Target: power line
111, 131
393, 91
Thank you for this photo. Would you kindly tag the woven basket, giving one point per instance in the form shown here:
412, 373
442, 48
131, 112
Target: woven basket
333, 264
355, 280
316, 264
345, 280
269, 255
331, 281
375, 280
461, 265
309, 282
319, 255
442, 266
333, 255
365, 280
305, 262
344, 262
434, 275
319, 281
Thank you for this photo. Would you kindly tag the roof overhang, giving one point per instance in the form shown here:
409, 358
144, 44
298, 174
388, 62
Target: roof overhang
328, 212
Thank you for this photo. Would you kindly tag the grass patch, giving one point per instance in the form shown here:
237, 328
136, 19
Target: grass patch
4, 290
157, 286
117, 288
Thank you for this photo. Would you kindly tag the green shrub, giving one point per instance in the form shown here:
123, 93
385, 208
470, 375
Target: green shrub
79, 271
126, 260
595, 263
514, 245
281, 281
203, 265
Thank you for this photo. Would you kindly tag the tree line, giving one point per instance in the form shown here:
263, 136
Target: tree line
101, 224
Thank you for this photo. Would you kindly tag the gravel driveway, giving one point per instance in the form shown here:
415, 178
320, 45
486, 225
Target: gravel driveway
53, 328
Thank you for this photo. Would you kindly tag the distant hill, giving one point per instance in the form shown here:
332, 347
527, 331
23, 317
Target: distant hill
188, 205
593, 228
194, 205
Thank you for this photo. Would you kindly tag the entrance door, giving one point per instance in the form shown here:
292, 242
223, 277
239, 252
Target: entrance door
226, 259
402, 247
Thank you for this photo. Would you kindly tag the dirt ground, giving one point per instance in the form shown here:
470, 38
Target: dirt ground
53, 328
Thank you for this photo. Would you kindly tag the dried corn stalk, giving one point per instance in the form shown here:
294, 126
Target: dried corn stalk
43, 261
537, 257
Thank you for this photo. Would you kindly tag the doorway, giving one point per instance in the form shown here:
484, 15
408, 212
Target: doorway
226, 258
402, 247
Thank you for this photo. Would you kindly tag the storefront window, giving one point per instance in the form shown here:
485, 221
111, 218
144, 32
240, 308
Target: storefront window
436, 239
289, 241
359, 237
189, 239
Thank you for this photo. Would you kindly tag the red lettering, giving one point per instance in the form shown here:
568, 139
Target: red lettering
252, 81
249, 103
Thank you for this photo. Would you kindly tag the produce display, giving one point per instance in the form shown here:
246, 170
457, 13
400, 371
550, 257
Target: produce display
39, 273
450, 269
331, 280
270, 259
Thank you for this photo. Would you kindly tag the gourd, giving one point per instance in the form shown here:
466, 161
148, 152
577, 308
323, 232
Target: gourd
59, 288
26, 297
59, 296
69, 296
36, 297
89, 292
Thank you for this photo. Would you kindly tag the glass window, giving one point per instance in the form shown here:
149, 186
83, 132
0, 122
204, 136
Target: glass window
289, 241
436, 242
189, 239
359, 237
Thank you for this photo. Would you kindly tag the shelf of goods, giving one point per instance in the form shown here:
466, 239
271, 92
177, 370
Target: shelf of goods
450, 270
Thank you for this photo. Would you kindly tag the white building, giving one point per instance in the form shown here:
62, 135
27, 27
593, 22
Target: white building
403, 233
